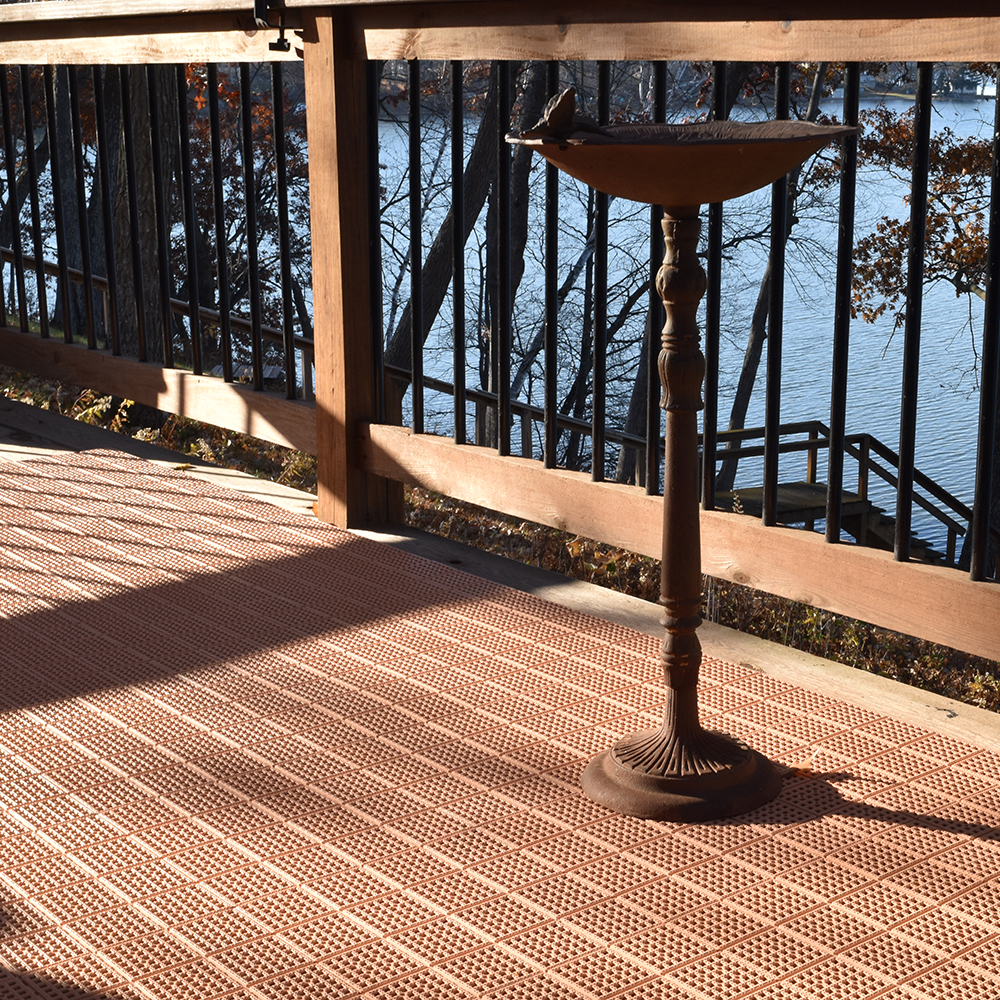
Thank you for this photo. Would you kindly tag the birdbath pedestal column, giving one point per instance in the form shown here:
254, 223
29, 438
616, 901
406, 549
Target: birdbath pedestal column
680, 771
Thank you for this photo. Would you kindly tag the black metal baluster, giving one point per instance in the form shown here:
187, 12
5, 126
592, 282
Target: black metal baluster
654, 418
842, 307
72, 73
416, 251
599, 415
250, 205
989, 399
107, 213
11, 193
550, 386
190, 220
36, 214
775, 312
284, 232
135, 237
57, 201
713, 315
221, 242
15, 209
914, 309
504, 304
458, 243
374, 250
162, 223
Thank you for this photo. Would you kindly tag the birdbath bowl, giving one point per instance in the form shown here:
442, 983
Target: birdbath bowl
680, 771
684, 165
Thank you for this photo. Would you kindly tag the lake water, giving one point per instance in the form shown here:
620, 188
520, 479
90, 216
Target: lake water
948, 394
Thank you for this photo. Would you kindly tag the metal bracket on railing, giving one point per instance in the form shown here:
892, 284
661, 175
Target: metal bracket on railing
261, 15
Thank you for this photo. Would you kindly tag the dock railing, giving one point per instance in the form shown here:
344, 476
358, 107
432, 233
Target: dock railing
362, 458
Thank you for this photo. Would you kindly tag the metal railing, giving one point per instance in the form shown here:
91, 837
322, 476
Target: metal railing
168, 228
553, 418
178, 234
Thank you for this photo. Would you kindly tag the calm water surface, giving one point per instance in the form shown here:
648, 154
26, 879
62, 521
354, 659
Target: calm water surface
948, 408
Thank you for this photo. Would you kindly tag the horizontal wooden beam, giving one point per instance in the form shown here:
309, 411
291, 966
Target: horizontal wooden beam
666, 10
85, 10
216, 37
236, 407
89, 31
439, 32
931, 602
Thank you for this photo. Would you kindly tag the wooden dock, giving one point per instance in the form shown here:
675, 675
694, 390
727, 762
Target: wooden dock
797, 502
805, 503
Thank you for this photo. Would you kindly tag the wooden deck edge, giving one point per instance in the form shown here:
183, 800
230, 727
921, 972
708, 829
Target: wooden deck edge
286, 422
91, 31
804, 670
931, 602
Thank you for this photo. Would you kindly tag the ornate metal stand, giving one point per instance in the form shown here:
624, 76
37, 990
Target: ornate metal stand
681, 771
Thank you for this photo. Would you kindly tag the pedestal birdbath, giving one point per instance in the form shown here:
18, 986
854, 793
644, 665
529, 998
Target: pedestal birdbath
680, 771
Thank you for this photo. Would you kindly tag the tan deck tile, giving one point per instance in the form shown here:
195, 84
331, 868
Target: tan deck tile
257, 959
286, 908
379, 797
550, 944
180, 905
199, 980
486, 970
373, 964
303, 984
425, 984
981, 904
438, 940
219, 930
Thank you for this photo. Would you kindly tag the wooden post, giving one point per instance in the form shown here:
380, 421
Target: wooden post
338, 196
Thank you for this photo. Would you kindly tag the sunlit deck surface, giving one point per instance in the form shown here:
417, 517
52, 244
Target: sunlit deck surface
248, 755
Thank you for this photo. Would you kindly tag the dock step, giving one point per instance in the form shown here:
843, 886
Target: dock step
798, 503
805, 503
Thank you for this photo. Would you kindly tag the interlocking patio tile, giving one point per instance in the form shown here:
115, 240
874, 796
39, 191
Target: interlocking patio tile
359, 777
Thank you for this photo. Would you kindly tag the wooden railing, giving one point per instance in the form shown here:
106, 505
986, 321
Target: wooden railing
361, 460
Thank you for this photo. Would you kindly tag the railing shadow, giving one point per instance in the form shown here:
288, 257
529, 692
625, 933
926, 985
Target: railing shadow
102, 593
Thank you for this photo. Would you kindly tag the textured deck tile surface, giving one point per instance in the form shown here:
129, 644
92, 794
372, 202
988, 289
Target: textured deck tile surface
246, 755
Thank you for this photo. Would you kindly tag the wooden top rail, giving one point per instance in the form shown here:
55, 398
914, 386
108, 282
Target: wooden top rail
627, 10
87, 31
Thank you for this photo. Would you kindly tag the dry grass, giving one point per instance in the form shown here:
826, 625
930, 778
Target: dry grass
945, 671
188, 437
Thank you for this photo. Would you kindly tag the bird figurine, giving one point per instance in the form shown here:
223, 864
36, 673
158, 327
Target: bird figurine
559, 119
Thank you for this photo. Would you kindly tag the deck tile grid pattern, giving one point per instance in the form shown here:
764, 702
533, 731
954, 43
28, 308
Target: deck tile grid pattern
246, 755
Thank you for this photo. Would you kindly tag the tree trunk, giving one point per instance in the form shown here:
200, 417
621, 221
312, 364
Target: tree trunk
15, 200
532, 100
635, 419
992, 556
576, 400
70, 297
437, 268
132, 291
758, 326
748, 376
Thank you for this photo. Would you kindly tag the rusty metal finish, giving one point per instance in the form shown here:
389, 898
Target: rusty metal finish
681, 771
692, 164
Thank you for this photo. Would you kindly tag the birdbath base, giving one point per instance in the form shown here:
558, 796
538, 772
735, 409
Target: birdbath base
746, 781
